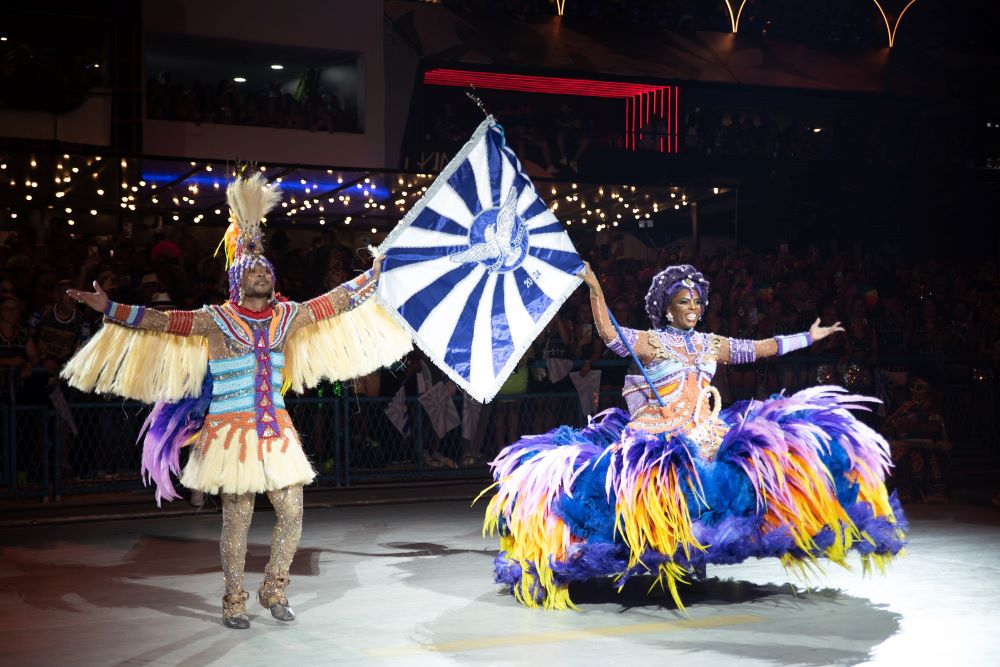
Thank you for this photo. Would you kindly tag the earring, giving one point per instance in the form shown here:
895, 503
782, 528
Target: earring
670, 317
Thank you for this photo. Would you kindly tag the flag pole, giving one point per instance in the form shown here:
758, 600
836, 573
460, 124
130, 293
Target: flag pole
635, 357
471, 94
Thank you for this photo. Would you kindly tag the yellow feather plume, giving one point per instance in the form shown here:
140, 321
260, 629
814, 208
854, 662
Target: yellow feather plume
228, 244
249, 199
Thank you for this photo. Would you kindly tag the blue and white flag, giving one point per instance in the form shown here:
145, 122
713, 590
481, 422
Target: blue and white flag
478, 267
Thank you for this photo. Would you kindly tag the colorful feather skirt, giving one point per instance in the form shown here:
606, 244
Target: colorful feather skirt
798, 478
229, 457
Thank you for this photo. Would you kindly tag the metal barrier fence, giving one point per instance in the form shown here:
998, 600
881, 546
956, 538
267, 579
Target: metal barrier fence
90, 447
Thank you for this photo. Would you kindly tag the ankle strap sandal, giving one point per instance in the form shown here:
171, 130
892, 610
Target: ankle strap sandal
234, 610
272, 596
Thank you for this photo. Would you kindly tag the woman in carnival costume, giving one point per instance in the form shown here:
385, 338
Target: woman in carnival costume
674, 483
218, 375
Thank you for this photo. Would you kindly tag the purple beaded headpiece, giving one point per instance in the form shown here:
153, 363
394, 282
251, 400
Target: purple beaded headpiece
666, 284
250, 198
239, 269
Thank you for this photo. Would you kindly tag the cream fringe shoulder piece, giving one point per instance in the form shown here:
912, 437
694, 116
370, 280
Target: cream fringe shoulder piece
142, 365
349, 345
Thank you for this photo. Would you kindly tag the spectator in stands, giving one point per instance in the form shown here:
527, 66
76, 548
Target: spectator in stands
18, 352
921, 450
572, 136
57, 330
507, 411
860, 351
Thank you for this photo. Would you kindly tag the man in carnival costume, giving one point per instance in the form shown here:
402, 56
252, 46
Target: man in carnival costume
253, 347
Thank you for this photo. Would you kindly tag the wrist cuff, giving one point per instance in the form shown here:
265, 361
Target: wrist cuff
121, 313
793, 342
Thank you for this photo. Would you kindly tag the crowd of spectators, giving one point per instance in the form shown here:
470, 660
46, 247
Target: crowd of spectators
231, 103
938, 320
874, 137
560, 138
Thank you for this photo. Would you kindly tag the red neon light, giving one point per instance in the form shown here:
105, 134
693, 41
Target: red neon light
663, 94
669, 98
640, 98
542, 84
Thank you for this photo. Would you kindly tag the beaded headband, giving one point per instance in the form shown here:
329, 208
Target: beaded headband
250, 198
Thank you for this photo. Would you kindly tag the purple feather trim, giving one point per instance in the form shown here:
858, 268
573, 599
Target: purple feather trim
811, 428
168, 427
803, 425
731, 541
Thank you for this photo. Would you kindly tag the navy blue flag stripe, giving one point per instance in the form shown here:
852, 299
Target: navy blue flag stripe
397, 258
535, 300
434, 221
463, 182
553, 228
419, 306
459, 352
566, 262
503, 342
536, 207
495, 162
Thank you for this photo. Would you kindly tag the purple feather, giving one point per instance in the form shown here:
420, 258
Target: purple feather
506, 571
813, 429
588, 560
168, 427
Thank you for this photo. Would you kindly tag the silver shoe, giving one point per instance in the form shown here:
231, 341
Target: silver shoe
271, 596
234, 611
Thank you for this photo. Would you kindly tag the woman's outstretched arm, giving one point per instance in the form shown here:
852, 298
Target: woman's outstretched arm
639, 340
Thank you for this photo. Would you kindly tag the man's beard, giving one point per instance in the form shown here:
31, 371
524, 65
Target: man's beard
253, 291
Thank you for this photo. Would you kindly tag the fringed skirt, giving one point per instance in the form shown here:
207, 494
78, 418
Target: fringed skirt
798, 478
228, 457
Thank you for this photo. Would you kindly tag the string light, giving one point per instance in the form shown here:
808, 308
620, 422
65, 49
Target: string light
603, 205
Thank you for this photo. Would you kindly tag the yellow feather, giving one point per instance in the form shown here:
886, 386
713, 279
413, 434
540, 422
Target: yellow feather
143, 365
353, 343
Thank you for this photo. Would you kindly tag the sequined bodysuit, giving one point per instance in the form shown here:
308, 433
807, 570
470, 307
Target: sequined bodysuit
681, 365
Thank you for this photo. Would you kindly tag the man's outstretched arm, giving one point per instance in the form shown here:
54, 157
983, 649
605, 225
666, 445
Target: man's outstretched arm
342, 298
177, 322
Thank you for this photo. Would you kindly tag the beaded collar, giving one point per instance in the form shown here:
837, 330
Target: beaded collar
252, 314
671, 329
674, 336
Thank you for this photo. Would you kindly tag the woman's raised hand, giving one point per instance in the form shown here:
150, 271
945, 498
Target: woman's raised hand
589, 277
816, 332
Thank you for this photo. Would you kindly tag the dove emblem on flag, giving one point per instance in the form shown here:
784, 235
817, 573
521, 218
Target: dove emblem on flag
497, 238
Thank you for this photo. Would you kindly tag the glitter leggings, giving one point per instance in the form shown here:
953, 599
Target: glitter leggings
237, 512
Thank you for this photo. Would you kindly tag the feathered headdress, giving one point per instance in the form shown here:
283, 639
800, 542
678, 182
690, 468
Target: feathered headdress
250, 198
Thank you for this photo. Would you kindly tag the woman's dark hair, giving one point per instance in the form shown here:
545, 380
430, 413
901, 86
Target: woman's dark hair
666, 283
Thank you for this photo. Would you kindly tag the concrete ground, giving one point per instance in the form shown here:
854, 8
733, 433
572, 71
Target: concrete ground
410, 584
